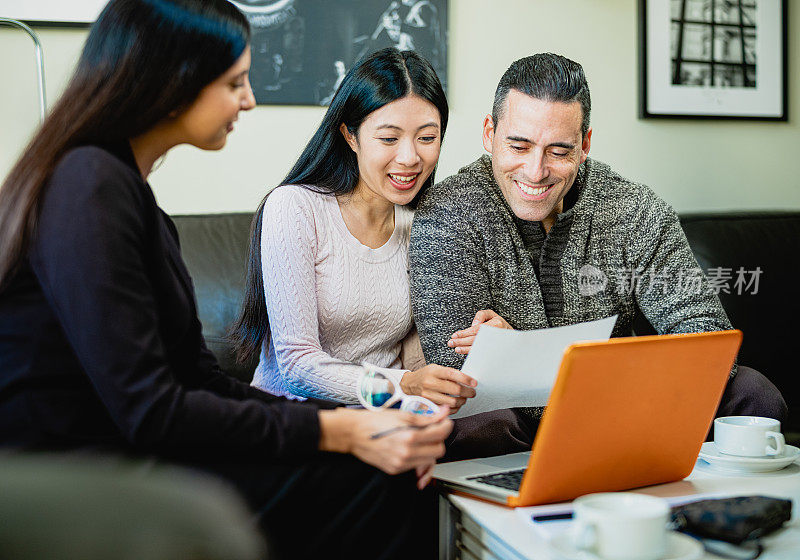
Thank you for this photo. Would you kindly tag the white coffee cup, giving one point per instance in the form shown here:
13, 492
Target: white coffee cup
748, 436
621, 525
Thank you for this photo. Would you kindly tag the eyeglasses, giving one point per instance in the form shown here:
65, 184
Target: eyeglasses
380, 388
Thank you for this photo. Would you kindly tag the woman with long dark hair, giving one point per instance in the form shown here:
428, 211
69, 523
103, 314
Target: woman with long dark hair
100, 344
327, 280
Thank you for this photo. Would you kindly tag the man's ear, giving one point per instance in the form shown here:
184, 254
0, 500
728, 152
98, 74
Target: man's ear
585, 145
488, 133
349, 138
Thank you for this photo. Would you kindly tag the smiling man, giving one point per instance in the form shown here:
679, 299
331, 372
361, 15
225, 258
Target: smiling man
537, 234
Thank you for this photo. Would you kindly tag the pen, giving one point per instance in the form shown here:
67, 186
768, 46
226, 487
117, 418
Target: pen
552, 516
393, 430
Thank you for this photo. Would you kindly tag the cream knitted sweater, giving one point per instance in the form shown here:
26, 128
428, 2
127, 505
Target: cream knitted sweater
332, 302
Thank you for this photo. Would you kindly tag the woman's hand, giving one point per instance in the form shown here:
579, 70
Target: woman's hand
414, 442
461, 341
424, 475
442, 385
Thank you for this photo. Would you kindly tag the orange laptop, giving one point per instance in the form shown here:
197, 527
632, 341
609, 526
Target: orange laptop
624, 413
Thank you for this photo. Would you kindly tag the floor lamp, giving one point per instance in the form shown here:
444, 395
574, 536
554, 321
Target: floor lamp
39, 59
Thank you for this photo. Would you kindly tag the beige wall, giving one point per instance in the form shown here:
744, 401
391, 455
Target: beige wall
693, 165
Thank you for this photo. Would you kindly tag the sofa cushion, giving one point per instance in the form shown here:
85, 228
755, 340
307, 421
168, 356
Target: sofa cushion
215, 247
724, 243
85, 506
767, 313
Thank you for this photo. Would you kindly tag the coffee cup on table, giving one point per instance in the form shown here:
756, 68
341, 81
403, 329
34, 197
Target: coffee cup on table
748, 436
621, 525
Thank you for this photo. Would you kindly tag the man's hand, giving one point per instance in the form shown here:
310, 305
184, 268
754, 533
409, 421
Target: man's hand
461, 341
415, 441
442, 385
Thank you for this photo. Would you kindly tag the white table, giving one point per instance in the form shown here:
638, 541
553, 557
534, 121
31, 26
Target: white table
470, 529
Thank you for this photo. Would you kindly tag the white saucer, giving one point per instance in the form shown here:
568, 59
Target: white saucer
734, 463
679, 547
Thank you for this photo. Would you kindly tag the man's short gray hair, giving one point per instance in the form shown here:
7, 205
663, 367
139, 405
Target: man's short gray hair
545, 76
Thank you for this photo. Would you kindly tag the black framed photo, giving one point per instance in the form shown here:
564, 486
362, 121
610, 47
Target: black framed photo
719, 59
302, 49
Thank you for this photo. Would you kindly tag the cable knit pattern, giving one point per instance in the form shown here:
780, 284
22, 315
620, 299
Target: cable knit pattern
332, 302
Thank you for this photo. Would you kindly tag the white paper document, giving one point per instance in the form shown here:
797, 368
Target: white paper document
519, 368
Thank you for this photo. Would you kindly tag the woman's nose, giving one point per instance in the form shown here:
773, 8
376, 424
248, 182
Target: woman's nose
407, 154
249, 100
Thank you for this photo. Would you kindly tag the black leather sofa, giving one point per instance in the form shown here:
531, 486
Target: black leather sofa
215, 249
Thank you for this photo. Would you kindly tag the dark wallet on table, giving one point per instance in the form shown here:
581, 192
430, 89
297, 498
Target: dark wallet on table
733, 520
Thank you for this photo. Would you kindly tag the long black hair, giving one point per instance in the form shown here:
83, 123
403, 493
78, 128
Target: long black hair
328, 165
143, 60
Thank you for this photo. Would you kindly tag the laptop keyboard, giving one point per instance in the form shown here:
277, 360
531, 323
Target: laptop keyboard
510, 480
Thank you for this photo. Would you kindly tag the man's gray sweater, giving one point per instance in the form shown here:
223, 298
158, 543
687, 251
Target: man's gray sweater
616, 248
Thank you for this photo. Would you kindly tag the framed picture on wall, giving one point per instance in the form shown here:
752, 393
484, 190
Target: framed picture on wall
720, 59
302, 49
53, 12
